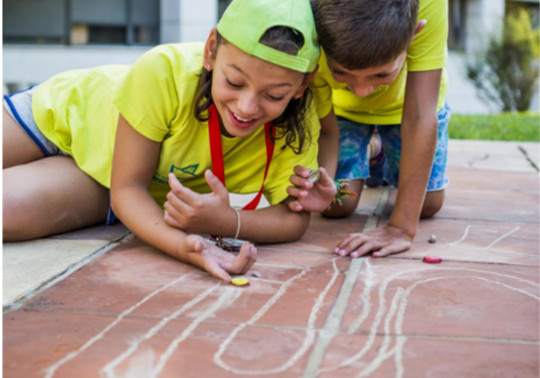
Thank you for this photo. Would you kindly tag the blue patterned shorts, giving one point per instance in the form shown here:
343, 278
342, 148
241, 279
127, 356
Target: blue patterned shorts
354, 139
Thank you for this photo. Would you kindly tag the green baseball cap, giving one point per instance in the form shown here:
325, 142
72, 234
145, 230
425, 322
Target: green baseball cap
245, 21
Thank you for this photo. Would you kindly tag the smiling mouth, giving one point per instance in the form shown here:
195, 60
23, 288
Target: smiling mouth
244, 120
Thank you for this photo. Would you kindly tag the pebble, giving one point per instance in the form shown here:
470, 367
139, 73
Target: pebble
256, 274
432, 238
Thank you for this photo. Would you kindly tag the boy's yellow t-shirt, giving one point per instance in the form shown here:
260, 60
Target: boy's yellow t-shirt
428, 51
78, 111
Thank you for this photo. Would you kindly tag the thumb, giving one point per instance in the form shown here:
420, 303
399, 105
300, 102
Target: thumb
215, 184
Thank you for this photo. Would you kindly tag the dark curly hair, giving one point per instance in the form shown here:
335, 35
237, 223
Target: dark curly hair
291, 124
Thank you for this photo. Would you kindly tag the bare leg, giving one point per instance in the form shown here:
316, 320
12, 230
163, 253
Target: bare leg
349, 203
432, 203
17, 146
50, 196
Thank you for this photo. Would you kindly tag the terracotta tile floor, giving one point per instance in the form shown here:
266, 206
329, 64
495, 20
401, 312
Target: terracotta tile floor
135, 312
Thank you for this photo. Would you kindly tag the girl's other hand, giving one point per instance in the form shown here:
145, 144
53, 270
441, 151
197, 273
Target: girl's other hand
309, 196
199, 213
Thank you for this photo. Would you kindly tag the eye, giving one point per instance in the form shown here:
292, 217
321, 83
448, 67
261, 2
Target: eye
382, 75
275, 98
233, 84
338, 72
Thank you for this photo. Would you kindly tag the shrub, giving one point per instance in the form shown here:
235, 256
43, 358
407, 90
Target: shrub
507, 72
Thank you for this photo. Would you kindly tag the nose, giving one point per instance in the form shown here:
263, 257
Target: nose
363, 90
248, 104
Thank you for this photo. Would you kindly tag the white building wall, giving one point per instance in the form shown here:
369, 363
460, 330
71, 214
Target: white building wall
483, 19
197, 18
181, 21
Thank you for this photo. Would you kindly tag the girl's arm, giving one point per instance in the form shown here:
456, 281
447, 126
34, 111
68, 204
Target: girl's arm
210, 213
134, 163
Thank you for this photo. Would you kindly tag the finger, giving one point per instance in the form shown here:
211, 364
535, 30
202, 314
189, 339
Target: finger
205, 260
183, 193
365, 248
295, 206
243, 261
301, 171
392, 249
171, 220
348, 239
300, 182
296, 192
215, 184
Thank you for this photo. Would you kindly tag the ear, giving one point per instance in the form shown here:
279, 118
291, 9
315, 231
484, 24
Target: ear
419, 26
210, 50
308, 78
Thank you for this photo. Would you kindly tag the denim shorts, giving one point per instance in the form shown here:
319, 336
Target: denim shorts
19, 105
354, 139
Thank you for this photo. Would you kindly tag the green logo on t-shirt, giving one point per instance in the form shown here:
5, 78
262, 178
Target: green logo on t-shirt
190, 169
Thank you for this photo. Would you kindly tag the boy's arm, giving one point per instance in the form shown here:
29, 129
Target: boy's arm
419, 139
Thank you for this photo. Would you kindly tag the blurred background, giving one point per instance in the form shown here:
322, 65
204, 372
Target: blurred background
43, 37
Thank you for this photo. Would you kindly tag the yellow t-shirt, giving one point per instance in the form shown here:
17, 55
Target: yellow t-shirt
384, 106
156, 96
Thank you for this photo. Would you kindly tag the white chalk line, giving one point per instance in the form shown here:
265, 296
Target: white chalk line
502, 237
108, 370
382, 308
310, 328
403, 295
231, 294
49, 372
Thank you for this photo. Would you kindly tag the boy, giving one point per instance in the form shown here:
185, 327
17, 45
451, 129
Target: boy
384, 62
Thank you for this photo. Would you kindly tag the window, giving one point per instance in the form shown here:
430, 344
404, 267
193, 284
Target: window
81, 22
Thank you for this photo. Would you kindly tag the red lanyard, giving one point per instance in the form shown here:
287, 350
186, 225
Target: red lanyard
216, 152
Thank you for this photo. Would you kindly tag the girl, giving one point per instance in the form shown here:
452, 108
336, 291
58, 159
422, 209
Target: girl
188, 123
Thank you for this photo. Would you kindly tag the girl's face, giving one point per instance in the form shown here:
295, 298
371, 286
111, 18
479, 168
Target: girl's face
247, 91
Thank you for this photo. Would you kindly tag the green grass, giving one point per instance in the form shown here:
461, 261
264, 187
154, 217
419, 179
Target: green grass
520, 127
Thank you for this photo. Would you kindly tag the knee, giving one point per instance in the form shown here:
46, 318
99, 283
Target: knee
349, 204
432, 204
15, 219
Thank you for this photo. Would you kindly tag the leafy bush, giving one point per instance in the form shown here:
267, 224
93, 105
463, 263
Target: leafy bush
507, 72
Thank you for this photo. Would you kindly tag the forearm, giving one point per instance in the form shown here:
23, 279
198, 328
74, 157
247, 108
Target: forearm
418, 147
418, 142
145, 219
273, 224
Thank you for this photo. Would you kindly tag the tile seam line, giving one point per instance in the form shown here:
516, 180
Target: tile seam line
528, 158
332, 324
18, 303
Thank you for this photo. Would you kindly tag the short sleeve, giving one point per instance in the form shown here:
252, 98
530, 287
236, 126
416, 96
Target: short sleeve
147, 96
428, 50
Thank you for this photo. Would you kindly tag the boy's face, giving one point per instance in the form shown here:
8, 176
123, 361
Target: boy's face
365, 81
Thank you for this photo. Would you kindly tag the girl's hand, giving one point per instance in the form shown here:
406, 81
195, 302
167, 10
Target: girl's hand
382, 241
199, 252
199, 213
308, 196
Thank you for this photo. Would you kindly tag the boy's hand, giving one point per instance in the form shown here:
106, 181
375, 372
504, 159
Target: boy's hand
382, 241
308, 196
195, 250
199, 213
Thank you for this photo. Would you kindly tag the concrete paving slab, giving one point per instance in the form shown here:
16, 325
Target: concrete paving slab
134, 311
488, 155
30, 265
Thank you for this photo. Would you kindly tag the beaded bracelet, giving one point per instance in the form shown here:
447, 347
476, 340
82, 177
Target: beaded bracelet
342, 192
